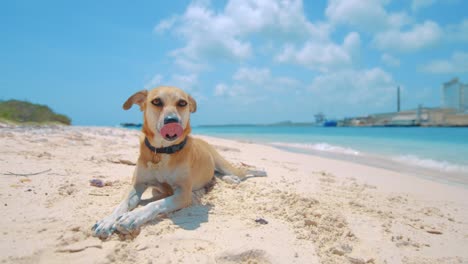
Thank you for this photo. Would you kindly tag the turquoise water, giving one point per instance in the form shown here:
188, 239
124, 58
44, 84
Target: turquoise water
435, 151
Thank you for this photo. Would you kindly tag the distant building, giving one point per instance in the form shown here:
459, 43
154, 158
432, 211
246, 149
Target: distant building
422, 116
455, 95
453, 111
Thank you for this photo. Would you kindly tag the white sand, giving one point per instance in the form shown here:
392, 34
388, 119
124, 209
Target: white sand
318, 210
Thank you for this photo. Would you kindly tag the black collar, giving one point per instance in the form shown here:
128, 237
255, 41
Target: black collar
167, 150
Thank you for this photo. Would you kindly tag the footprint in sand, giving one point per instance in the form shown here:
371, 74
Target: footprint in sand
249, 256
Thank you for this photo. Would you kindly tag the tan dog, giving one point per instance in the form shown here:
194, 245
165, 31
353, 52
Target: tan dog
171, 161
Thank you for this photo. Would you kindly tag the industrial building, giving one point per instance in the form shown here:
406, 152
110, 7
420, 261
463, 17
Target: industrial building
453, 111
455, 96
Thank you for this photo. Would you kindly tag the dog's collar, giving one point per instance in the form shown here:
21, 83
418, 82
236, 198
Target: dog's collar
167, 150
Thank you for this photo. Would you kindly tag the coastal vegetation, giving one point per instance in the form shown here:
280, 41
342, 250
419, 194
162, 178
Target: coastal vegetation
16, 111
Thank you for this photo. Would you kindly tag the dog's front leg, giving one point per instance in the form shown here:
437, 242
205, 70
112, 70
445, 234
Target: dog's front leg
132, 221
106, 226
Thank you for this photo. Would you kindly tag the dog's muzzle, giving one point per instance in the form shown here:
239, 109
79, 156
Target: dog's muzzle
172, 128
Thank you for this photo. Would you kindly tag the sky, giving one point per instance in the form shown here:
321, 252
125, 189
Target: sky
244, 61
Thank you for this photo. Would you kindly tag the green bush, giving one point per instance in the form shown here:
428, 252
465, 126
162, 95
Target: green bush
25, 112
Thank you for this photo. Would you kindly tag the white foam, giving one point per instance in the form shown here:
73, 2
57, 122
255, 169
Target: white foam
318, 147
442, 166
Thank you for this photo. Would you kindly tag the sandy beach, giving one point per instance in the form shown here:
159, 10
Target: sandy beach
308, 210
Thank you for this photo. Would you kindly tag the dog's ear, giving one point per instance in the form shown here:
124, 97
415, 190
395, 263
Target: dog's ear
138, 98
192, 104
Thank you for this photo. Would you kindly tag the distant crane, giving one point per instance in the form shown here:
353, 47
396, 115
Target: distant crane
319, 118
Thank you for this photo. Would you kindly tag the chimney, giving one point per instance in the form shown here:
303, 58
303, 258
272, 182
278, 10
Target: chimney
398, 99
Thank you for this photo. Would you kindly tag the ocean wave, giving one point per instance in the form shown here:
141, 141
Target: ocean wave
318, 147
443, 166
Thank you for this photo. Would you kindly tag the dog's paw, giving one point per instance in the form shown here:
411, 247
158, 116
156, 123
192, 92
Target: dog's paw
104, 228
231, 179
129, 223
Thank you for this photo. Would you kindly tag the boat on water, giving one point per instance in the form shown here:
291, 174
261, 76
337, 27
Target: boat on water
133, 125
330, 123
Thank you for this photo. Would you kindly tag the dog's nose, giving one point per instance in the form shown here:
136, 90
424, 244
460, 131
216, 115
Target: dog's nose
171, 119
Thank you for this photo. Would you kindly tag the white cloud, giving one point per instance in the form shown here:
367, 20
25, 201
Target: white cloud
165, 24
286, 82
237, 92
366, 15
390, 31
398, 20
252, 75
155, 81
322, 56
218, 35
252, 81
419, 4
273, 18
209, 34
349, 91
418, 37
389, 60
370, 89
221, 89
352, 43
186, 82
262, 79
190, 65
458, 63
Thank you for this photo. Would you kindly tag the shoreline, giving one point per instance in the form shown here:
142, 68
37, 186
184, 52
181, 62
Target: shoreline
447, 177
336, 163
317, 210
456, 174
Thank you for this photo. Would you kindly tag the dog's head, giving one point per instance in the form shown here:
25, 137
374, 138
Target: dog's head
166, 111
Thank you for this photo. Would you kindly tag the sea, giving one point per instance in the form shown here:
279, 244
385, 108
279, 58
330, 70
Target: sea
437, 153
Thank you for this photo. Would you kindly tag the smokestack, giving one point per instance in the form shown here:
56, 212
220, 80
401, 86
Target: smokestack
398, 99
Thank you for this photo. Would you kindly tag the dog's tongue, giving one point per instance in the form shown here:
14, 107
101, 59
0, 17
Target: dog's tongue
172, 131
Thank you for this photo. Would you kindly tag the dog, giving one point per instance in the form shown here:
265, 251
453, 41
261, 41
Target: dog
171, 161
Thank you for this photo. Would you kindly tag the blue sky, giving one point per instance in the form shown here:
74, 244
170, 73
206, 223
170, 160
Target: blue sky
244, 61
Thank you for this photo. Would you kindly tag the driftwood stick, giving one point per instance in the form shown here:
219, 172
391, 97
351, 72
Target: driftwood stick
26, 174
99, 194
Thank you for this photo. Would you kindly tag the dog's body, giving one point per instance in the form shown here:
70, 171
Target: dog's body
173, 176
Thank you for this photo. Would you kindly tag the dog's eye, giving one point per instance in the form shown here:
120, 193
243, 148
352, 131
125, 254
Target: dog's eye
182, 103
157, 102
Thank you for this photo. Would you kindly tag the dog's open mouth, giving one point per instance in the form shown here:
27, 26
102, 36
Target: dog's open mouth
172, 131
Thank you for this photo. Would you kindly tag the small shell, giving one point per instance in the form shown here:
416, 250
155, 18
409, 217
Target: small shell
261, 221
96, 183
